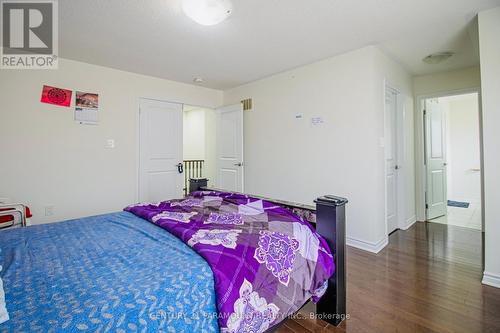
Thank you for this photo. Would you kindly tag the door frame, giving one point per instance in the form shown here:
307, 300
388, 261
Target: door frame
400, 151
420, 174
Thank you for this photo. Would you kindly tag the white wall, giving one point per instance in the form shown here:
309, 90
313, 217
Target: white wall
489, 47
433, 84
463, 147
199, 138
194, 134
287, 157
210, 146
49, 160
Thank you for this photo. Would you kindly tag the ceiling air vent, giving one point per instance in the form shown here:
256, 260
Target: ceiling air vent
436, 58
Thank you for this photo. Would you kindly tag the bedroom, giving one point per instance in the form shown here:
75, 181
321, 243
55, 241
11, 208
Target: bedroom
316, 127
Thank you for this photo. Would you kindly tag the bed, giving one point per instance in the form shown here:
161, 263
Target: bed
165, 267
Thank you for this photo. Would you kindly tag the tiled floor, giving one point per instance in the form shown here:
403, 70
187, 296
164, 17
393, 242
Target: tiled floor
462, 217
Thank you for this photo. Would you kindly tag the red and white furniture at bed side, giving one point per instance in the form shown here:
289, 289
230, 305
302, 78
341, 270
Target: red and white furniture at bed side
12, 215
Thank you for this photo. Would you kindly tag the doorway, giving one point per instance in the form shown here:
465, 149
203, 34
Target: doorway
199, 144
178, 142
452, 160
213, 146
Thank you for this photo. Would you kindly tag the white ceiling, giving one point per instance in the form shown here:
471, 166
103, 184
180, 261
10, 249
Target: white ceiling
264, 37
459, 98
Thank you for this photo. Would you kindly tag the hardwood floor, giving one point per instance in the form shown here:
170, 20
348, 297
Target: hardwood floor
428, 279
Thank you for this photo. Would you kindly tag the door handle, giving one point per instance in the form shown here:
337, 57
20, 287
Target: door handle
238, 164
397, 167
180, 168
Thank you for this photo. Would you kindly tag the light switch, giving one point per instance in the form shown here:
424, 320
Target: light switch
110, 143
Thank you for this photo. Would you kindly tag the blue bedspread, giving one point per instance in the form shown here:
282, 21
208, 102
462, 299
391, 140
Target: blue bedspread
113, 272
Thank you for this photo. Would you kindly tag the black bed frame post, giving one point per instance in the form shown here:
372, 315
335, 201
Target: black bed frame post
330, 223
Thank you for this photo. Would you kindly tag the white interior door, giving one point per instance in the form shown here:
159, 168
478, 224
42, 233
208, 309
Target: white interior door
160, 151
229, 129
435, 151
391, 160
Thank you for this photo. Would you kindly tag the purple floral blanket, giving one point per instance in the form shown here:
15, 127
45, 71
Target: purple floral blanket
267, 262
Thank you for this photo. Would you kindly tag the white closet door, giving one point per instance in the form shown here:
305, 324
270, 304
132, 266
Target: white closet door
160, 178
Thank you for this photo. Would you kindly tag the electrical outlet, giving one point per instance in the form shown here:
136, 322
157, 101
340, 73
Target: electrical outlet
49, 210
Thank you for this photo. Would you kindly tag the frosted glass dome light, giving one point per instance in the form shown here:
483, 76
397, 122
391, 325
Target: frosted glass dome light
207, 12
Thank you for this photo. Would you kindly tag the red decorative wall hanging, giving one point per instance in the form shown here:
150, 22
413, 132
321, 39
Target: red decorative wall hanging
57, 96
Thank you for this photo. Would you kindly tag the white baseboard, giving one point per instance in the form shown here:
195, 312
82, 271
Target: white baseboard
368, 246
409, 223
491, 279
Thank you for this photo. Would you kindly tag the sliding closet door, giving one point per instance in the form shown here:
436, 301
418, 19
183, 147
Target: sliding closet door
230, 148
160, 166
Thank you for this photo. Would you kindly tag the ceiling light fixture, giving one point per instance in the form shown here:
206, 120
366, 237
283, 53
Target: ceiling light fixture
198, 80
207, 12
437, 58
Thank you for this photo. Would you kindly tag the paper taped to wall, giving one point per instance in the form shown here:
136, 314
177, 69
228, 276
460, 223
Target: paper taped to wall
56, 96
86, 108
